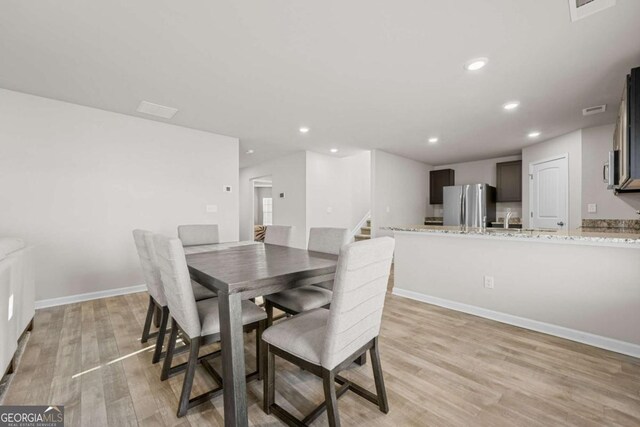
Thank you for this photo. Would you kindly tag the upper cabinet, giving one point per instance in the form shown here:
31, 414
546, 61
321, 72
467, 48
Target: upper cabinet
509, 181
437, 181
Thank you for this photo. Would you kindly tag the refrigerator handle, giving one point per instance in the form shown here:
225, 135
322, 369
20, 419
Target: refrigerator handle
480, 205
463, 201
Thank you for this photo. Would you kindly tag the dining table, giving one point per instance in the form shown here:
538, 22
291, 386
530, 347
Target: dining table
246, 271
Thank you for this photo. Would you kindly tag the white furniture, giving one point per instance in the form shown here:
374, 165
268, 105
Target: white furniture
157, 299
17, 297
198, 234
199, 322
279, 235
293, 301
325, 342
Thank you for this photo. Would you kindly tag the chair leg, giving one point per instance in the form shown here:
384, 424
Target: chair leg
162, 331
362, 360
168, 358
157, 316
260, 348
147, 322
269, 383
189, 374
269, 309
328, 379
381, 391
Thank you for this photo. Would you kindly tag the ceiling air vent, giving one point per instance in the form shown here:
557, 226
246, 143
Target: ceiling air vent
583, 8
157, 110
594, 110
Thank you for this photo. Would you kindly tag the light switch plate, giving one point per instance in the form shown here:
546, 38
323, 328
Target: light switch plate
212, 208
592, 208
329, 209
488, 282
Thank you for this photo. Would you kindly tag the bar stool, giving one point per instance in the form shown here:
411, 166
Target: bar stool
157, 300
324, 342
305, 298
198, 322
279, 235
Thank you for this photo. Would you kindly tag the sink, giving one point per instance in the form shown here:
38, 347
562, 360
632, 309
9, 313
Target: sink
520, 230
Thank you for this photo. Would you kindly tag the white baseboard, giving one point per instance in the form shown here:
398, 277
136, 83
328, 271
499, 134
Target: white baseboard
599, 341
45, 303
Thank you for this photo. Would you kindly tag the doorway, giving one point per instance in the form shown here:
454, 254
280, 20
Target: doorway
549, 193
262, 206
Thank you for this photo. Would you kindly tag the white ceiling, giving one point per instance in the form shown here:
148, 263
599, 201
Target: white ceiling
361, 74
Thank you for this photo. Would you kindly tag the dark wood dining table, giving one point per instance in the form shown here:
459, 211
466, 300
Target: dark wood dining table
244, 272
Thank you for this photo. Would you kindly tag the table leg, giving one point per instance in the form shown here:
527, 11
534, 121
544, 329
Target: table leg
233, 372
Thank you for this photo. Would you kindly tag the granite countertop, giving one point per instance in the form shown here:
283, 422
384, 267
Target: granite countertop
628, 237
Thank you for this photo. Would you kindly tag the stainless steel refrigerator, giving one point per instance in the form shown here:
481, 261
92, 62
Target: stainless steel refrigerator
470, 205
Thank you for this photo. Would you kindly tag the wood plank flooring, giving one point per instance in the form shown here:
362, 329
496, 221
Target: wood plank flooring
442, 368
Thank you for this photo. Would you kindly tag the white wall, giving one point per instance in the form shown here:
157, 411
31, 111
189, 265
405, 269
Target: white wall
481, 171
359, 172
545, 286
339, 185
312, 183
400, 191
75, 181
596, 144
288, 175
570, 144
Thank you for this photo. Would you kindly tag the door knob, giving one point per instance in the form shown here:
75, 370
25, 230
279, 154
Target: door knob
561, 223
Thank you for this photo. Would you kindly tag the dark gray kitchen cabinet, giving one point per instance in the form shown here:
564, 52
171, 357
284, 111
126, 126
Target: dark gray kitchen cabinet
437, 181
509, 181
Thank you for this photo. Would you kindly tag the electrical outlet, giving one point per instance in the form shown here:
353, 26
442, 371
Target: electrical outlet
212, 208
592, 208
488, 282
329, 209
226, 188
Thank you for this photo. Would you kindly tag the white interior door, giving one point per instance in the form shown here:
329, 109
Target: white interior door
549, 189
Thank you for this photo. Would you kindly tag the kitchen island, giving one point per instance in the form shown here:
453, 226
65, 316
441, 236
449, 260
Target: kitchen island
580, 285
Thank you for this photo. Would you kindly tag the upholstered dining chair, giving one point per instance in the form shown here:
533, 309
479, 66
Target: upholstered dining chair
157, 300
279, 235
198, 234
305, 298
198, 322
324, 342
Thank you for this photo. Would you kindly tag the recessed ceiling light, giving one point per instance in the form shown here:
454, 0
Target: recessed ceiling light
433, 140
534, 134
304, 129
250, 151
334, 150
511, 105
476, 64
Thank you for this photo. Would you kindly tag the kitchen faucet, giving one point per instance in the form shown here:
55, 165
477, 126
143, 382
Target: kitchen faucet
507, 217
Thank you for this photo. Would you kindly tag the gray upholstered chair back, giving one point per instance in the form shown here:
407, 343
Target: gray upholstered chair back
198, 234
279, 235
358, 298
148, 264
327, 240
177, 284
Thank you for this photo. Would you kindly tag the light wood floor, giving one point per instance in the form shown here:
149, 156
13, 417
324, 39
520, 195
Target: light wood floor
442, 368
